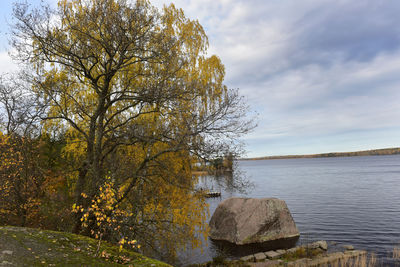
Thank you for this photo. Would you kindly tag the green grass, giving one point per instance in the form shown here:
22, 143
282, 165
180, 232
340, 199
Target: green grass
300, 253
35, 247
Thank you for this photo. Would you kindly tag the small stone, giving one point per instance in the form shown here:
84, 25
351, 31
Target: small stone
260, 256
348, 247
8, 252
281, 251
312, 245
248, 258
292, 250
334, 257
272, 255
322, 244
6, 263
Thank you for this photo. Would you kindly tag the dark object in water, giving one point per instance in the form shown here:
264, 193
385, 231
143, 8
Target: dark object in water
213, 194
207, 193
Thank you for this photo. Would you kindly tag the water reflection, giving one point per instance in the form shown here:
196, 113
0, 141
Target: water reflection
229, 250
228, 182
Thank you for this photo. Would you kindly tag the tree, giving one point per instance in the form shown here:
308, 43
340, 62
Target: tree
20, 184
30, 168
20, 113
21, 180
135, 96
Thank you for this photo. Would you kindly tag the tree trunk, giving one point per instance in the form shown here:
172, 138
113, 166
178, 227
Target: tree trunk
79, 187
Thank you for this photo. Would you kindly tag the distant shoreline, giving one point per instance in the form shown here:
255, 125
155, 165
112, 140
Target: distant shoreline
372, 152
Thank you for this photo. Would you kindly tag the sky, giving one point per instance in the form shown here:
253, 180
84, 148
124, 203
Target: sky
323, 76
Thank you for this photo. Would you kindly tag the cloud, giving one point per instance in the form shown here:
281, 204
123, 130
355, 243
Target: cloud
351, 30
313, 69
316, 100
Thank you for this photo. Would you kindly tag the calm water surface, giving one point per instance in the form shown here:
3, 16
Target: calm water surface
349, 200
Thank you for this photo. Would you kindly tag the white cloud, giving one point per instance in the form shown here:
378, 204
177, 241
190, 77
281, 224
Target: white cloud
312, 69
323, 101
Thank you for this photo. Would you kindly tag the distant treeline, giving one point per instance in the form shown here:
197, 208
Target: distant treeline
373, 152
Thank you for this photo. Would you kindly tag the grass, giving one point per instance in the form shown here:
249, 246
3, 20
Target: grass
301, 252
35, 247
365, 260
360, 261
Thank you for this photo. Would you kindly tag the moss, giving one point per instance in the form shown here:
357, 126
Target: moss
34, 247
300, 253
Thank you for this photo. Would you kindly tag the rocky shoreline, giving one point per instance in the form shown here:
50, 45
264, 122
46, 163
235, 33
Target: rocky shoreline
315, 254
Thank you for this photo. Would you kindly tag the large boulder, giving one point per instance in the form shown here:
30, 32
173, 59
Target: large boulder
243, 221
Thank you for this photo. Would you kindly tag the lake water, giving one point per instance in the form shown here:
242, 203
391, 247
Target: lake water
348, 200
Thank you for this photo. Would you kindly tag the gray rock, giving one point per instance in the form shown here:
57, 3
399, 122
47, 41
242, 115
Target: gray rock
248, 258
248, 220
260, 256
272, 255
281, 252
8, 252
292, 250
312, 245
334, 257
322, 244
348, 247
